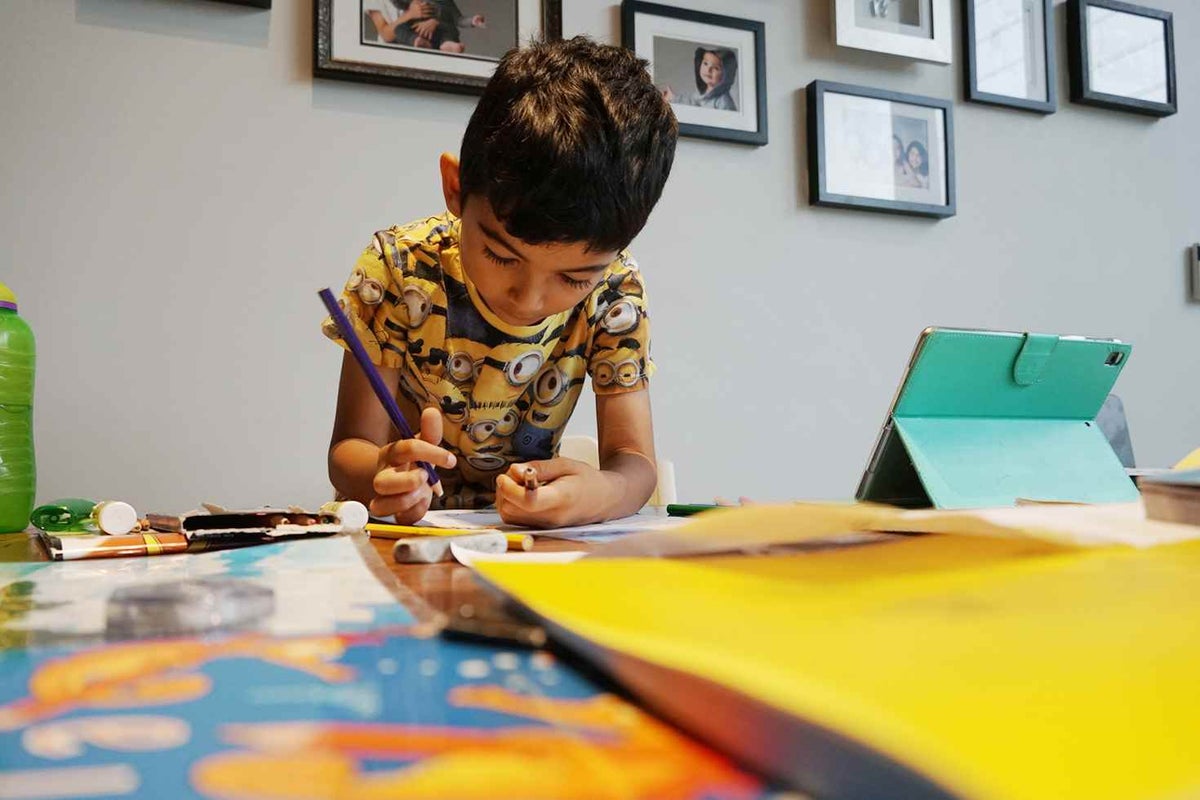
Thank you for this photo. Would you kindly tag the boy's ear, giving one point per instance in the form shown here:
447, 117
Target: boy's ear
451, 188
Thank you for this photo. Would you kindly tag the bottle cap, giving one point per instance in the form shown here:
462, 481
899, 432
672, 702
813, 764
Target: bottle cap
351, 514
115, 517
7, 298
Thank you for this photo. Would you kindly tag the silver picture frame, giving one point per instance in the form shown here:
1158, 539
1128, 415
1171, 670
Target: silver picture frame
918, 29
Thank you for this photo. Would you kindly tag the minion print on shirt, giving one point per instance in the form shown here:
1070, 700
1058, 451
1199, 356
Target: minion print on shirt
505, 391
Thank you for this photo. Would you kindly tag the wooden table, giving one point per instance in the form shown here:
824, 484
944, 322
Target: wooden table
449, 588
469, 607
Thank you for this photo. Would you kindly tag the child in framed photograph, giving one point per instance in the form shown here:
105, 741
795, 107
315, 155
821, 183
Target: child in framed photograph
432, 24
715, 71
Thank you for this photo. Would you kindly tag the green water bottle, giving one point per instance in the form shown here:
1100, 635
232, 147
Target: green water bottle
18, 480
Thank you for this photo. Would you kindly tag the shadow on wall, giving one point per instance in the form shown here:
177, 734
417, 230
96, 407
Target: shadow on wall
190, 19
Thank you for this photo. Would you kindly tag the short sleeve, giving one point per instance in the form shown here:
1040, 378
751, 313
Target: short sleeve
619, 358
369, 300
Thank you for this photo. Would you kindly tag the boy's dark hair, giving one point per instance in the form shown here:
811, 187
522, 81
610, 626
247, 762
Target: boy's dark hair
571, 142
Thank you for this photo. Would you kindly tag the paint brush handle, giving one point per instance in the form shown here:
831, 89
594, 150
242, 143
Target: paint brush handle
376, 380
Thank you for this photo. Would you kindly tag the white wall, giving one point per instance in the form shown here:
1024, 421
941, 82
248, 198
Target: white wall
175, 187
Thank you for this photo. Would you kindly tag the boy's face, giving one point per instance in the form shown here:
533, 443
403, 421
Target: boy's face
521, 283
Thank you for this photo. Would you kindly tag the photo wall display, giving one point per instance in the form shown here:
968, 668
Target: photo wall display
879, 150
1122, 56
711, 68
448, 45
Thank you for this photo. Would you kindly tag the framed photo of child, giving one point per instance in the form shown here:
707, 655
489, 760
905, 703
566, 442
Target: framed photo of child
447, 45
1010, 53
1122, 56
917, 29
710, 68
879, 150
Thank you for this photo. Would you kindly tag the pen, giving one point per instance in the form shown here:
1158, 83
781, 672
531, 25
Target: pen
531, 481
377, 384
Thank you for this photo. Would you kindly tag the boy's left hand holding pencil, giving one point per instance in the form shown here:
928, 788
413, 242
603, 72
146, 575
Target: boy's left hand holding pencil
554, 493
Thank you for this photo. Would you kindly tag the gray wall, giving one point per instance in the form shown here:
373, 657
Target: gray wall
176, 187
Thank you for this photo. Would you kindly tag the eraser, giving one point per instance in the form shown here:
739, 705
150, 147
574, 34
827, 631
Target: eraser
434, 549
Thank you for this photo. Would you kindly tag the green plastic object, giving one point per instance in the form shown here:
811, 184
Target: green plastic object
68, 514
985, 418
18, 471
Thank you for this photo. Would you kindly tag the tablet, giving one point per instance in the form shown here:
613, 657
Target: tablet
986, 418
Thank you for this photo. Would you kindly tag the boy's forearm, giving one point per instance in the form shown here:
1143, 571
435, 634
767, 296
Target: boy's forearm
352, 467
631, 478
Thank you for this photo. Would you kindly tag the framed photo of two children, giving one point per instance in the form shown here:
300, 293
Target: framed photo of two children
448, 45
878, 150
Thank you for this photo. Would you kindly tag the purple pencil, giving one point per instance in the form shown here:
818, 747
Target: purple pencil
373, 376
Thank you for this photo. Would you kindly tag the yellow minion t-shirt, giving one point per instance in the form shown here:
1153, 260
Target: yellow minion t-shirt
505, 391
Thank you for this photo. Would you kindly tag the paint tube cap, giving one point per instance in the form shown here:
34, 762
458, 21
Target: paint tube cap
351, 514
115, 517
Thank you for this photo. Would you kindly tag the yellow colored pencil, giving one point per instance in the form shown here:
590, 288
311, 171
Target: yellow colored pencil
384, 530
519, 541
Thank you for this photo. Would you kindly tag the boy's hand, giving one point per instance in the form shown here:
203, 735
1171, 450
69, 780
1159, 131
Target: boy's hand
401, 487
478, 21
570, 492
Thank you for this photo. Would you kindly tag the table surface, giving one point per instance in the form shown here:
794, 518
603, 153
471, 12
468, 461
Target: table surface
390, 704
448, 588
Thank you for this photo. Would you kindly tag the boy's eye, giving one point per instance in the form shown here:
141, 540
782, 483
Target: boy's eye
494, 257
575, 283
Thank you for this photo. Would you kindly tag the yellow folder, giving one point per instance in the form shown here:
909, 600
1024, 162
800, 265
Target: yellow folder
935, 666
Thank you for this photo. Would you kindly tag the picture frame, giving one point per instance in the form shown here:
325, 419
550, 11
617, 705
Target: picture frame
918, 29
712, 68
1122, 56
879, 150
1010, 58
371, 41
264, 4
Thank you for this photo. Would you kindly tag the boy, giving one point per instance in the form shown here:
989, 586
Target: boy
485, 319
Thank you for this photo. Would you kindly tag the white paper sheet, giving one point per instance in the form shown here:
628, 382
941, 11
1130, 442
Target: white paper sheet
467, 556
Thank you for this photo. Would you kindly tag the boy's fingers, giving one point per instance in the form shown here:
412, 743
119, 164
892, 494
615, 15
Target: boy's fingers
397, 504
406, 451
547, 470
397, 481
516, 495
431, 425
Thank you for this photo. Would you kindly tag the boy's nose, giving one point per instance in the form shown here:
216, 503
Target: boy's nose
524, 296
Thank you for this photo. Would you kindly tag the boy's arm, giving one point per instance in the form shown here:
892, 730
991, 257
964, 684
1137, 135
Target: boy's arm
360, 428
627, 447
364, 467
576, 494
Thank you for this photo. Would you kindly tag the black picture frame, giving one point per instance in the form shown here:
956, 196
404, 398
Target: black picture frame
265, 4
818, 151
630, 9
971, 66
1082, 90
326, 66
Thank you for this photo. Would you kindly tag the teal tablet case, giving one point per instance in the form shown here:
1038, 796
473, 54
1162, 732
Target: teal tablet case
985, 418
